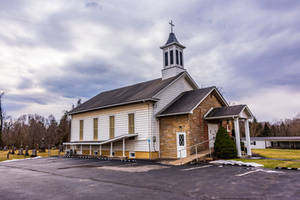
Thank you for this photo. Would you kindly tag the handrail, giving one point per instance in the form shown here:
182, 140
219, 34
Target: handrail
195, 145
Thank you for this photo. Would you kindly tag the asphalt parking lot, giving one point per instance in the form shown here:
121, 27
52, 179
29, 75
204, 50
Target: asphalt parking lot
65, 178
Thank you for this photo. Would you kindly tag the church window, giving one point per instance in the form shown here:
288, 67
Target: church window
81, 130
166, 58
131, 123
171, 57
95, 128
111, 127
177, 58
181, 61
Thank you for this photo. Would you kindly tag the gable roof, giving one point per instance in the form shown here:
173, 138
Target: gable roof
140, 92
187, 101
227, 112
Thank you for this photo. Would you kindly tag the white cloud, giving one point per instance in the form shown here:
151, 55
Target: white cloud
273, 103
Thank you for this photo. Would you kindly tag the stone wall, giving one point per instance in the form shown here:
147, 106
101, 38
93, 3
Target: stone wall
198, 126
193, 125
169, 126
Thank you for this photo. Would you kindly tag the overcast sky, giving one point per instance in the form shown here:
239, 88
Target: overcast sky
54, 52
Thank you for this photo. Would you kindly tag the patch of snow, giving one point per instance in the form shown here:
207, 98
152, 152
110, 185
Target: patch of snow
234, 162
13, 160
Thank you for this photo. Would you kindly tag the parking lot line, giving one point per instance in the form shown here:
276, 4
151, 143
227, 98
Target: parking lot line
188, 169
260, 170
246, 173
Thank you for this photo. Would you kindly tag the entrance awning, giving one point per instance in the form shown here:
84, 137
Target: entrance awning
115, 139
229, 112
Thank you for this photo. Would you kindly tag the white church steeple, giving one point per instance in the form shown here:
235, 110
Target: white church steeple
173, 62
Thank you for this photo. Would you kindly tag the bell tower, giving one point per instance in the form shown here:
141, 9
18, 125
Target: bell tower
173, 62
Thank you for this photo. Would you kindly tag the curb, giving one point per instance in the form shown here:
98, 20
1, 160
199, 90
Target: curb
240, 165
100, 158
288, 168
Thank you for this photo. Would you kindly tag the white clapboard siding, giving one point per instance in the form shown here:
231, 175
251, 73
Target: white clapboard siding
171, 92
103, 127
142, 116
88, 129
74, 130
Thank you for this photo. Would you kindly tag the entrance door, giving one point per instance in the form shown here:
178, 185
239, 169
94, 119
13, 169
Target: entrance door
181, 144
212, 133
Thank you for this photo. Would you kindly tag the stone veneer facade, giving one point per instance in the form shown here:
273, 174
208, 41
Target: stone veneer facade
193, 125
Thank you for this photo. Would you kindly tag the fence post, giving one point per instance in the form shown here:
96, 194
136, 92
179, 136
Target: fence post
196, 153
49, 153
209, 150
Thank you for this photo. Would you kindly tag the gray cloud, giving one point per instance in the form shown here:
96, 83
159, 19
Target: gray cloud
241, 46
87, 78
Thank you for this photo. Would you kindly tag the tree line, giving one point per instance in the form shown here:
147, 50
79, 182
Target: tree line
30, 130
279, 128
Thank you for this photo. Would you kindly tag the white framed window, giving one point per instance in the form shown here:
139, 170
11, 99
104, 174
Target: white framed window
131, 123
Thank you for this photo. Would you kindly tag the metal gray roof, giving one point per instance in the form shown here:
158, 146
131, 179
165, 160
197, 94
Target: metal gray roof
286, 138
225, 111
172, 40
186, 102
131, 94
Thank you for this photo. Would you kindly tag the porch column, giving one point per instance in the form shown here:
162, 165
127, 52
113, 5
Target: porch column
100, 150
90, 150
237, 136
111, 149
247, 133
123, 147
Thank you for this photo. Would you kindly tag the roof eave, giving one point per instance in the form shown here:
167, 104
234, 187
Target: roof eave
221, 117
173, 114
113, 105
167, 45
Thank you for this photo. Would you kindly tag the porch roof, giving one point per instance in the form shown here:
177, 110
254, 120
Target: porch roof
241, 111
115, 139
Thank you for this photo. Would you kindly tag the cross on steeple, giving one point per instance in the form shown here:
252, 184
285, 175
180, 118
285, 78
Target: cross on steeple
171, 24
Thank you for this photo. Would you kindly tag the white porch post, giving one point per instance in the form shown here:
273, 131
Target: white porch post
90, 149
123, 147
237, 137
247, 133
100, 150
111, 149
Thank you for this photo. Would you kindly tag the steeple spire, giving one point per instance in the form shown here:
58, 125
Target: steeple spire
172, 55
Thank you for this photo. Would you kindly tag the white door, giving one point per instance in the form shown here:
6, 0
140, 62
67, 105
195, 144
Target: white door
181, 144
212, 133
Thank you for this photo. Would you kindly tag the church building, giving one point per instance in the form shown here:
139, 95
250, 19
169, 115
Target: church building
164, 118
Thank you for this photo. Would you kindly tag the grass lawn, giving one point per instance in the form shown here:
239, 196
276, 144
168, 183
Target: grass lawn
3, 155
293, 154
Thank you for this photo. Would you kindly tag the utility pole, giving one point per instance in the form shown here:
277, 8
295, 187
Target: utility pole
1, 118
